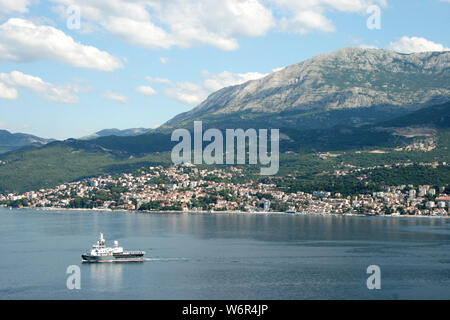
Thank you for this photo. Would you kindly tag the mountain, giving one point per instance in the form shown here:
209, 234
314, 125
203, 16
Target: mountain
349, 86
123, 146
12, 141
437, 116
427, 122
348, 102
62, 161
117, 132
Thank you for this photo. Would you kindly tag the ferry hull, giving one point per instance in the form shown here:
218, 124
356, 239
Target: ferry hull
86, 258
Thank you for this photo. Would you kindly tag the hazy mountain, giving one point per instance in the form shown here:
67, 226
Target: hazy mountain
11, 141
117, 132
351, 85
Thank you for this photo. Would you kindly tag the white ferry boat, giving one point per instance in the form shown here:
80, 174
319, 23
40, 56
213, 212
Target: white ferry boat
101, 253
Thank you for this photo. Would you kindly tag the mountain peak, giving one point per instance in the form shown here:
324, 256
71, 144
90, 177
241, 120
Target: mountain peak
348, 79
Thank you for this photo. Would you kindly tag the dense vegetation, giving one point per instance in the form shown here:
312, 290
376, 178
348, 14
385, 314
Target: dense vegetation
376, 179
58, 162
32, 169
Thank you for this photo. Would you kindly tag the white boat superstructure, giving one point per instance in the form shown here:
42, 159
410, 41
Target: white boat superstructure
100, 249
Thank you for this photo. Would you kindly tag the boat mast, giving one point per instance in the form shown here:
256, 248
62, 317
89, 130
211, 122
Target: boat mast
102, 240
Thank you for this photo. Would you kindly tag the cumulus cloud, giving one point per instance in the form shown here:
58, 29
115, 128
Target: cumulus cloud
14, 6
24, 41
7, 93
306, 21
187, 92
146, 90
214, 82
310, 15
115, 96
194, 93
416, 44
9, 82
185, 23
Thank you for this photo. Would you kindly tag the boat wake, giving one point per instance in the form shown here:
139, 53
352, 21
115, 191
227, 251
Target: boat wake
165, 259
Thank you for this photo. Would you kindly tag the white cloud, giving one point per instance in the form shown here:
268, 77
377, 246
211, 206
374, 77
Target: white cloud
214, 82
307, 21
158, 80
7, 93
215, 22
146, 90
24, 41
310, 15
14, 6
353, 5
185, 23
114, 96
55, 93
141, 33
278, 69
187, 92
164, 60
416, 44
194, 93
323, 5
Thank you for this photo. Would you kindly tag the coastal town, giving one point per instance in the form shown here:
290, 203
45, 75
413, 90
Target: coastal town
187, 188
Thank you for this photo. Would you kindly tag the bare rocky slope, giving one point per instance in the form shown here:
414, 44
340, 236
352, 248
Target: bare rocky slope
352, 85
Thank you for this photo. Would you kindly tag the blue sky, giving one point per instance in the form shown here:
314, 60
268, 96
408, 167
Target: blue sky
139, 63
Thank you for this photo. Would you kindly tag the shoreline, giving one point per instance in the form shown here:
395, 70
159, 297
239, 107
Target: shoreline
94, 210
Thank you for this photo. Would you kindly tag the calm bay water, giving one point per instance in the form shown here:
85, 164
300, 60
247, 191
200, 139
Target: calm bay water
224, 256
